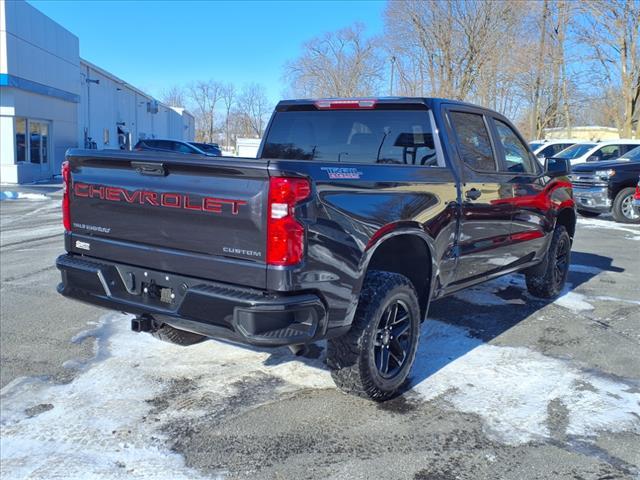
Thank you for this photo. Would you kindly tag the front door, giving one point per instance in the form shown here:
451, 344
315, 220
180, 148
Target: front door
531, 221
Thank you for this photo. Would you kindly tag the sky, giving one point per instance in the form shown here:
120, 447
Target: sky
154, 45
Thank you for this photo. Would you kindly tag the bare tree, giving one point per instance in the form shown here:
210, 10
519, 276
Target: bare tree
228, 94
337, 64
205, 96
612, 34
536, 122
444, 46
174, 96
253, 107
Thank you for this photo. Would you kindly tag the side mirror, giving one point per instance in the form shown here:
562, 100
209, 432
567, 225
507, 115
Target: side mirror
593, 158
557, 167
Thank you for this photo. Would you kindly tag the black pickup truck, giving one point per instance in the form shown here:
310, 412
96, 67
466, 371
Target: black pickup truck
609, 186
355, 215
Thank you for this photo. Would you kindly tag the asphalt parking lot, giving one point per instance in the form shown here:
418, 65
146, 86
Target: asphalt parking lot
505, 386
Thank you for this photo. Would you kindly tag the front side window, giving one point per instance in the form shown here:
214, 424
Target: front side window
516, 155
473, 140
399, 137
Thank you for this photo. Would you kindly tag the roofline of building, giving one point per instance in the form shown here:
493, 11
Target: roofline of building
117, 79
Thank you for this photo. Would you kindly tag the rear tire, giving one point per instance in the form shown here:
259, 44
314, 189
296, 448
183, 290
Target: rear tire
375, 357
548, 280
169, 334
588, 214
623, 210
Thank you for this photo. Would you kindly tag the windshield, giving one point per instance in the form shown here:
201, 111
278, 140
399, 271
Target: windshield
535, 145
575, 151
633, 155
352, 136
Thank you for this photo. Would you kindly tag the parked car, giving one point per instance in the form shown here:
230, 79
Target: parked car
353, 218
608, 186
549, 148
175, 146
597, 152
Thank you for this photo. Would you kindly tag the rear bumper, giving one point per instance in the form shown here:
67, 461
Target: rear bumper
592, 199
213, 309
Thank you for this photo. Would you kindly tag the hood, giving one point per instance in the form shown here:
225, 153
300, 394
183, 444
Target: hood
593, 166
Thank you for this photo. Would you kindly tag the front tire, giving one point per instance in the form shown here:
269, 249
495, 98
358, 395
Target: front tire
623, 210
375, 357
588, 214
548, 280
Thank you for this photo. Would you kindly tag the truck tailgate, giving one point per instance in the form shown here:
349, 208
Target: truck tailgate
203, 217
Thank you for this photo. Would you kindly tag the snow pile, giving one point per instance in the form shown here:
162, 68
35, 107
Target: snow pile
7, 195
102, 424
511, 388
611, 225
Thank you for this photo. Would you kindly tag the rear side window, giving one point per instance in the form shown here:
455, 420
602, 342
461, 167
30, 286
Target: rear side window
516, 155
182, 148
608, 152
554, 149
399, 137
473, 140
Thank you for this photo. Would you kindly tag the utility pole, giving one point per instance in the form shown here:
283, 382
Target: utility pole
393, 64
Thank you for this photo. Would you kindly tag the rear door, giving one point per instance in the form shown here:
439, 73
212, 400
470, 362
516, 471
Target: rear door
486, 195
170, 213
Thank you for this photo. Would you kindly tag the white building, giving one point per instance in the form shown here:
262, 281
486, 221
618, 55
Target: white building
52, 100
247, 147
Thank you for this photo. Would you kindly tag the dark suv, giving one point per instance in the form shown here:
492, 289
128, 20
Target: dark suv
178, 146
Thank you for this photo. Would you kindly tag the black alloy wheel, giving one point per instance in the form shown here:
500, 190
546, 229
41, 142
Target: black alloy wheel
393, 339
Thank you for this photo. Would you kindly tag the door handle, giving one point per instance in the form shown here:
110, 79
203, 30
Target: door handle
472, 194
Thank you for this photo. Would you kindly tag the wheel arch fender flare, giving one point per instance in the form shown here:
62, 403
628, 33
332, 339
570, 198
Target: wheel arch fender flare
386, 233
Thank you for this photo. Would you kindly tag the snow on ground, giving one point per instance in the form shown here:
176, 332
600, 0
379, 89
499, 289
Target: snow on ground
511, 388
8, 195
103, 424
572, 300
603, 223
486, 294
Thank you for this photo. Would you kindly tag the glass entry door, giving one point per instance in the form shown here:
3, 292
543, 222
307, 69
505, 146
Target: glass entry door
39, 144
32, 143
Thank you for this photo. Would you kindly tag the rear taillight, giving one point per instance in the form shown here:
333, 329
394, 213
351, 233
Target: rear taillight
285, 234
66, 191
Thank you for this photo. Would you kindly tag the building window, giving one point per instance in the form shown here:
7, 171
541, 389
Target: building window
35, 142
32, 141
105, 136
21, 139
